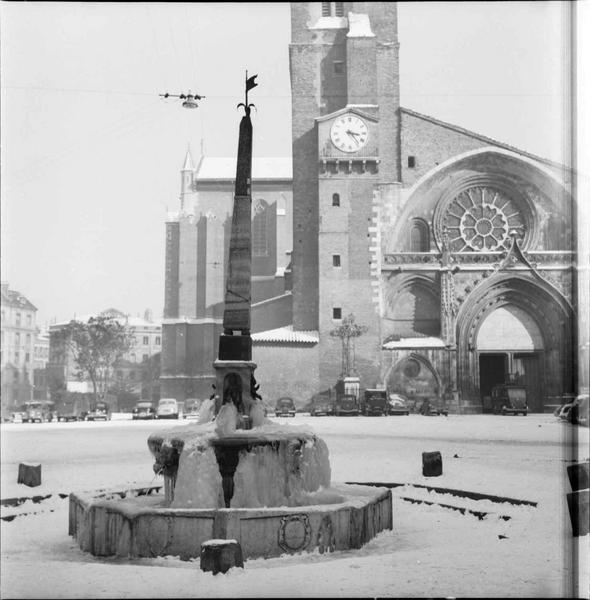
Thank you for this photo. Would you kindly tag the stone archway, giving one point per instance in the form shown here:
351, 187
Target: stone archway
522, 327
413, 376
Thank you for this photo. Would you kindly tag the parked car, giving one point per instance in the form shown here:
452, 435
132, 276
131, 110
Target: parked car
16, 417
99, 411
38, 411
73, 408
347, 404
168, 409
321, 405
285, 407
578, 413
509, 399
143, 410
397, 405
431, 408
375, 402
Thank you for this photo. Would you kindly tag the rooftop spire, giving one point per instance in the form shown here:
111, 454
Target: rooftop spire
188, 161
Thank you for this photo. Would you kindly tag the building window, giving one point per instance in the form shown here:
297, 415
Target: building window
17, 356
260, 229
335, 199
328, 6
27, 357
146, 340
28, 339
17, 339
336, 313
335, 260
29, 320
133, 356
411, 162
338, 67
158, 341
145, 357
419, 238
18, 319
132, 375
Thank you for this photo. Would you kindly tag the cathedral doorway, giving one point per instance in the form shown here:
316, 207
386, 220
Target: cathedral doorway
510, 347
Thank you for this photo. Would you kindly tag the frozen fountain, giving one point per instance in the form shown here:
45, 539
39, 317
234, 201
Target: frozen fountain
234, 474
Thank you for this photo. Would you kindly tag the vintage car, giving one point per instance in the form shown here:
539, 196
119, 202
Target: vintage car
285, 407
375, 402
38, 411
99, 411
143, 410
578, 413
321, 405
431, 408
397, 405
509, 399
347, 404
168, 408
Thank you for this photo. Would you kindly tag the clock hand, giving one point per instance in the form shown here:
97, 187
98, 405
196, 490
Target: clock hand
353, 135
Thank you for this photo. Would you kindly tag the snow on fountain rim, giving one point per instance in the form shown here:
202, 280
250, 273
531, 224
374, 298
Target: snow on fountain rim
198, 434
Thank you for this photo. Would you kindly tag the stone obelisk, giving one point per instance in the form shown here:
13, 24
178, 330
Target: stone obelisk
234, 367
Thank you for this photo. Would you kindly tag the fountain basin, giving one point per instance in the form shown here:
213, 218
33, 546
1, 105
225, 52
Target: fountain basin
134, 524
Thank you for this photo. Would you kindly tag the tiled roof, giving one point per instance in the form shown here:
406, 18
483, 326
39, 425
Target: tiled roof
480, 137
214, 167
416, 342
15, 299
286, 335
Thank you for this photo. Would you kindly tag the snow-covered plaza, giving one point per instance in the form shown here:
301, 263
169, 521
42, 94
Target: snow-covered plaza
509, 550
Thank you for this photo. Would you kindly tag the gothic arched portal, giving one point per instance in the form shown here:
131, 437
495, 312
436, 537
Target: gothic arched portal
516, 328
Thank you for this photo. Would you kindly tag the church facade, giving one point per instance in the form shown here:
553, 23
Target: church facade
454, 251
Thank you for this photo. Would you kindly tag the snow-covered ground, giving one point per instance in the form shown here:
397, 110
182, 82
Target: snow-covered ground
431, 551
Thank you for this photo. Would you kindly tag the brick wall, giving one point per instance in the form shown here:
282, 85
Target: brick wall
171, 270
430, 144
286, 371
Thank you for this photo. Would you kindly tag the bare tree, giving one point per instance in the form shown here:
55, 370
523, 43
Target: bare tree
96, 346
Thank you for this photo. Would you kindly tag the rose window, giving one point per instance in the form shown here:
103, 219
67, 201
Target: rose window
481, 219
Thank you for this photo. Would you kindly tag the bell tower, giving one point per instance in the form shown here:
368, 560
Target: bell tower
344, 59
342, 54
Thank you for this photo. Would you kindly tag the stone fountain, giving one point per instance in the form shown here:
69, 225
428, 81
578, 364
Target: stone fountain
234, 474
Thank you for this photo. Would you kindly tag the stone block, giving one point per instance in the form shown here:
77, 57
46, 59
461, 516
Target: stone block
579, 476
219, 556
577, 503
29, 474
431, 464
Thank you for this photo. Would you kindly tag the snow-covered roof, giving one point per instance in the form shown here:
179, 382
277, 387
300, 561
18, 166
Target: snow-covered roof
417, 342
359, 25
216, 167
15, 299
135, 322
287, 335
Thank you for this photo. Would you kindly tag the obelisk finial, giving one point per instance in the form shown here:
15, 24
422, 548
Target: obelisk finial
250, 83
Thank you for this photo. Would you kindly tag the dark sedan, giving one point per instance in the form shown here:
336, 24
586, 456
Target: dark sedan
285, 407
144, 410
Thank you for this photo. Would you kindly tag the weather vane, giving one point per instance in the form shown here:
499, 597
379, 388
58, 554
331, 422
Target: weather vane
190, 100
250, 83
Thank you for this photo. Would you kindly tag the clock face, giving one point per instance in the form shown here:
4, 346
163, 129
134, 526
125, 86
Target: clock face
349, 133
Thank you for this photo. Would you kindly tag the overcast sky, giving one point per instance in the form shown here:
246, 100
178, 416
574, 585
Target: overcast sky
91, 154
